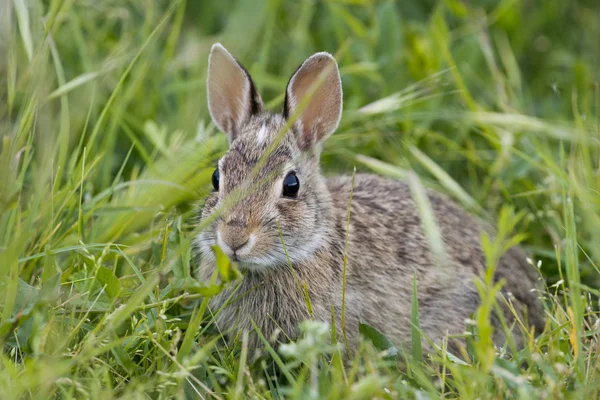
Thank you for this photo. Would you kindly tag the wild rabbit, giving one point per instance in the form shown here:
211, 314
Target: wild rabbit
288, 230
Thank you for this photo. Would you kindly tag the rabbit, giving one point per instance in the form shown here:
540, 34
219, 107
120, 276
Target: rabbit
287, 231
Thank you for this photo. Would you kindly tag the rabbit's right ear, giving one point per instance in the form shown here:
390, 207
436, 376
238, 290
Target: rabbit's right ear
232, 96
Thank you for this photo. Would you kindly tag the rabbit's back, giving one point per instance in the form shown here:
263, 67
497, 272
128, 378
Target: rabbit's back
387, 247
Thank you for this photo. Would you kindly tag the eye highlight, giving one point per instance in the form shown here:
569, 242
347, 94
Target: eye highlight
291, 185
215, 179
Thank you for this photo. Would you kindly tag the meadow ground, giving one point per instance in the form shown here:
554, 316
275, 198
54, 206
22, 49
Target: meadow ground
106, 148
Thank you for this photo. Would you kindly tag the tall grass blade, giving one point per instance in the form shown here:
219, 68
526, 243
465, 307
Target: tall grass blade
415, 327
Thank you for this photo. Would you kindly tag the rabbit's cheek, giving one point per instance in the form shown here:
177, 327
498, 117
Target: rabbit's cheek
290, 215
262, 245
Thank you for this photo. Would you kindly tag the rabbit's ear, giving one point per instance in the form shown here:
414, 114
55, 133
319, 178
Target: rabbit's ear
232, 96
316, 81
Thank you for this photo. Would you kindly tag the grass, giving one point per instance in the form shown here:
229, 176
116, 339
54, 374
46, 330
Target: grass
106, 148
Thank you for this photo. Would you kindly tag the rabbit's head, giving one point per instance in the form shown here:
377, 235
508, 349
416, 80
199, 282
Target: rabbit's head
270, 204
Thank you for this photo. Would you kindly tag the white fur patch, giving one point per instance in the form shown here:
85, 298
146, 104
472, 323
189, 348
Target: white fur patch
224, 247
262, 134
246, 249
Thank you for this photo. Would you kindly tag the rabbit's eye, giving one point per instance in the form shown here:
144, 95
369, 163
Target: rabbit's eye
215, 179
291, 185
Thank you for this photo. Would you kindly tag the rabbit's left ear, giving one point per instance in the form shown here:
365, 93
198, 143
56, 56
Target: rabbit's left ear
316, 81
232, 95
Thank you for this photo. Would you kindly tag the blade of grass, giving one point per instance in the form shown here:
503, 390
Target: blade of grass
415, 327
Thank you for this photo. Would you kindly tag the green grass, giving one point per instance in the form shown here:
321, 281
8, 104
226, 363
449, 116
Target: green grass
106, 148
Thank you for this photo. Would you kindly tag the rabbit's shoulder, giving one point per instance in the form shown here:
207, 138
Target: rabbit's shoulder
381, 196
386, 218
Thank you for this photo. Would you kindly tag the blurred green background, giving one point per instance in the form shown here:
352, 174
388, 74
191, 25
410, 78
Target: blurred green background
107, 146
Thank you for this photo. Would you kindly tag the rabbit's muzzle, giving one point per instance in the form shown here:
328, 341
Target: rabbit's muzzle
235, 239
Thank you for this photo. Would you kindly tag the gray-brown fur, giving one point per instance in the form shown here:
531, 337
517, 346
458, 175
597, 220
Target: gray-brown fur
387, 245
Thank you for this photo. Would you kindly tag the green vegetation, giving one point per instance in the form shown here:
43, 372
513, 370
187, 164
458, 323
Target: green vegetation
106, 147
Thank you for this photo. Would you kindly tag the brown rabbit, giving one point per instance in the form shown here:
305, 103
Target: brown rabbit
288, 230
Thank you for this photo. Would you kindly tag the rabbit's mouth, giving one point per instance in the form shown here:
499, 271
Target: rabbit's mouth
241, 251
251, 254
254, 267
263, 251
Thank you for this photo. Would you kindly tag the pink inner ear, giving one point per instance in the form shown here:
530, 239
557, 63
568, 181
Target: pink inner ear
226, 87
232, 97
319, 78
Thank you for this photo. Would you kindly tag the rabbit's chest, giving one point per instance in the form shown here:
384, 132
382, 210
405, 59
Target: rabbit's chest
271, 305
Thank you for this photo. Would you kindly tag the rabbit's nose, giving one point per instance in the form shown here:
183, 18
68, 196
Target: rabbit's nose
232, 239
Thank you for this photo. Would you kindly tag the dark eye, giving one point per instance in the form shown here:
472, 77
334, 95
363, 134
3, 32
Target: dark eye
291, 185
215, 179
